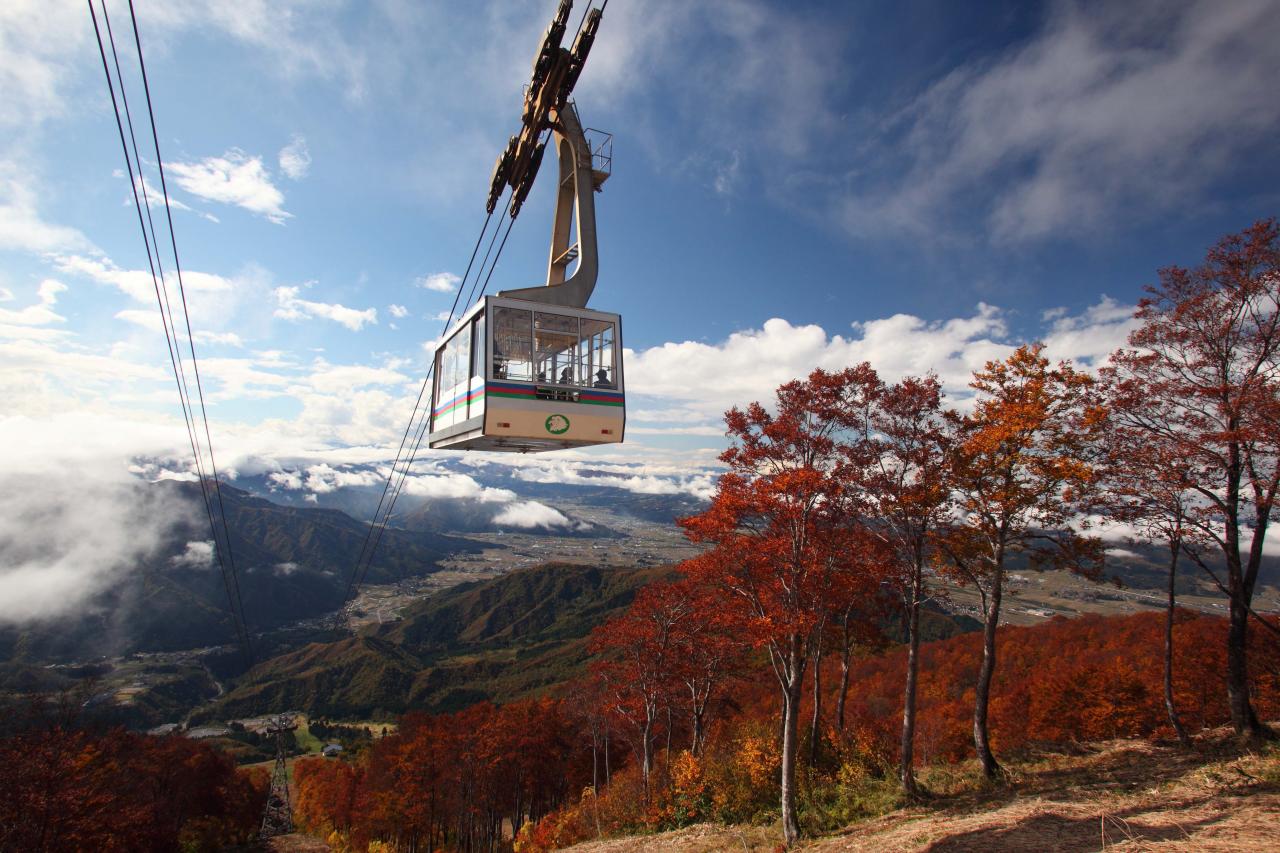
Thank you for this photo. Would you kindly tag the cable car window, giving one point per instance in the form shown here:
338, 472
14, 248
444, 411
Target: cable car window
439, 370
457, 359
596, 364
556, 341
477, 347
512, 344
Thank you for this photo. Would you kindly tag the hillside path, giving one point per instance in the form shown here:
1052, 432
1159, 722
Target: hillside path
1118, 795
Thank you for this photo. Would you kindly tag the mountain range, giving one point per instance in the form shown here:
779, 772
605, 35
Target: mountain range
292, 563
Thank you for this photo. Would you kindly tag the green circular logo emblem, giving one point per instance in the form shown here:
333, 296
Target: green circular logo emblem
557, 424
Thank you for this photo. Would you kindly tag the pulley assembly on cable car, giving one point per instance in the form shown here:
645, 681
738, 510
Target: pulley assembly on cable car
534, 369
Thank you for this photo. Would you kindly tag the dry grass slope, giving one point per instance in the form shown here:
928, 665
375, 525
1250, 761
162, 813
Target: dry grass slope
1119, 795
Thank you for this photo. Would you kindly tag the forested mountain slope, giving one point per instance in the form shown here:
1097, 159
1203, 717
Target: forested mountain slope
292, 564
499, 639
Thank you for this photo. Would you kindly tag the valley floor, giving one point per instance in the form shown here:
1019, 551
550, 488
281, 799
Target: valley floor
1120, 795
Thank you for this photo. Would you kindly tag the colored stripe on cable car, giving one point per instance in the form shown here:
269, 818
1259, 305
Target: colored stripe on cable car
460, 400
592, 396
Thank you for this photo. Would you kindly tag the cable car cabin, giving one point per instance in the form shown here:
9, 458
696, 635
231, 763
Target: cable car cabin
521, 376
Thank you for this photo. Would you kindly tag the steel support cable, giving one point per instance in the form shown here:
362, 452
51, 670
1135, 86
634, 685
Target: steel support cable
363, 565
422, 430
195, 366
167, 306
239, 625
359, 578
424, 424
238, 620
412, 418
583, 19
170, 341
494, 265
545, 137
480, 272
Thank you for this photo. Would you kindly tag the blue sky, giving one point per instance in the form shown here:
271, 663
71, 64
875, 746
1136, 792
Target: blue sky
923, 185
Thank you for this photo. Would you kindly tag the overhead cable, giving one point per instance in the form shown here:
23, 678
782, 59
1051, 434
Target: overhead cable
380, 519
230, 582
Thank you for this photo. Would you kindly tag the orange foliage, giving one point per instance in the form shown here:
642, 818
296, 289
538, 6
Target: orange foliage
1081, 679
69, 788
460, 780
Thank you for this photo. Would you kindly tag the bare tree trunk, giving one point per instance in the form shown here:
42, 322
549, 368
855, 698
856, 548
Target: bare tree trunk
646, 753
696, 721
844, 677
906, 772
668, 738
1175, 545
595, 765
815, 725
790, 738
982, 694
1243, 719
1239, 594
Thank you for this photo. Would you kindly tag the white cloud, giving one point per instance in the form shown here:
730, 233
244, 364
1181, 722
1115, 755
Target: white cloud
83, 397
705, 59
67, 534
531, 514
38, 41
283, 570
454, 486
45, 334
1110, 110
293, 307
150, 320
41, 313
728, 175
641, 479
1090, 338
153, 197
138, 284
82, 369
234, 178
440, 282
21, 225
197, 555
6, 295
230, 339
295, 158
398, 311
699, 381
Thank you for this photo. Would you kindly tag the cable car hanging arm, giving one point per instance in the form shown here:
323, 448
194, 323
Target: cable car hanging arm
547, 106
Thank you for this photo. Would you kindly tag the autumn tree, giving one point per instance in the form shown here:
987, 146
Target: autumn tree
854, 626
586, 702
707, 651
1204, 365
1151, 492
66, 784
783, 525
1021, 468
910, 491
638, 656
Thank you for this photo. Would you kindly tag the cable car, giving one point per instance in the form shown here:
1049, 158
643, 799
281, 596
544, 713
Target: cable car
522, 376
534, 369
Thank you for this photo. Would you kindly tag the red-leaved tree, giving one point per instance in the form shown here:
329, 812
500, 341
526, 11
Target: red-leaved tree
1204, 368
1021, 470
910, 488
1150, 490
784, 525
